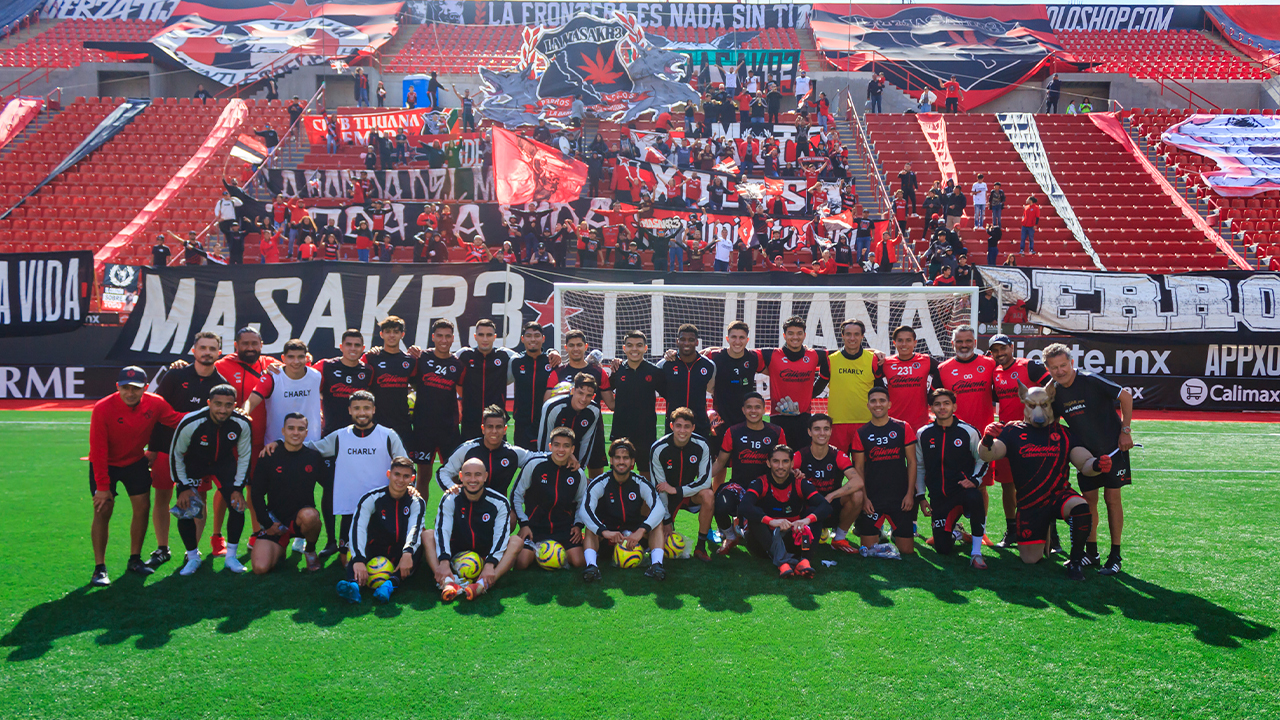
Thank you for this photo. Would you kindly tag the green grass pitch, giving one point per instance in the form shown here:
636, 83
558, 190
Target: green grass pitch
1188, 631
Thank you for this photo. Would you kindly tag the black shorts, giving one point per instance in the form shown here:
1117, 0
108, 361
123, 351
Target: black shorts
948, 510
433, 439
795, 428
1033, 523
393, 554
625, 529
676, 503
290, 531
1121, 474
136, 479
902, 521
833, 520
562, 537
525, 435
597, 457
638, 437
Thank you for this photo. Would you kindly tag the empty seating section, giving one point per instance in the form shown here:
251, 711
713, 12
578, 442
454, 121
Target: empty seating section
978, 145
1179, 54
1132, 225
62, 46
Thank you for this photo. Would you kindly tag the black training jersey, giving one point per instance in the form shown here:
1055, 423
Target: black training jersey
202, 448
338, 382
634, 393
687, 468
945, 456
385, 524
627, 505
687, 387
546, 496
749, 449
529, 374
559, 412
482, 526
435, 381
284, 482
735, 377
884, 467
826, 473
502, 463
391, 374
566, 373
765, 501
1039, 459
484, 383
185, 391
1089, 407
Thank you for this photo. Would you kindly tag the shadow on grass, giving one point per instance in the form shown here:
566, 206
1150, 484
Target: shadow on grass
165, 605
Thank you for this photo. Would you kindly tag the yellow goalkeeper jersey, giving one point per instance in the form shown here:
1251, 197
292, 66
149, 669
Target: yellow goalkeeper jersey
851, 378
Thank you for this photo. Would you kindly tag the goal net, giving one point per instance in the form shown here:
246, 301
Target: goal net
607, 312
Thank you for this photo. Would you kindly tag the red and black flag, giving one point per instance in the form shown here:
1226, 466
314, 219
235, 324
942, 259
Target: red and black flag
237, 41
528, 171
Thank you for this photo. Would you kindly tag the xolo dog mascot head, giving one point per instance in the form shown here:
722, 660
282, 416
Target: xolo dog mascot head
1037, 405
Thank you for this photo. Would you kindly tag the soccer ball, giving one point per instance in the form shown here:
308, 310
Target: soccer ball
562, 388
624, 558
380, 570
412, 398
675, 544
468, 566
550, 555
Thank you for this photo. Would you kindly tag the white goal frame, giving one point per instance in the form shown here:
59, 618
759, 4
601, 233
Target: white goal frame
748, 294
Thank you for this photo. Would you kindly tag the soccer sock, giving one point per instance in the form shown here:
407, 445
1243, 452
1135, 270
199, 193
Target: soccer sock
840, 534
590, 556
977, 545
232, 549
1010, 528
163, 548
326, 512
1080, 522
1115, 552
1091, 549
102, 567
655, 556
702, 541
187, 530
235, 526
138, 557
344, 530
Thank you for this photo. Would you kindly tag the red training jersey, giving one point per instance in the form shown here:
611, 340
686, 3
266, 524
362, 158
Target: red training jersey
245, 378
1005, 384
796, 375
118, 434
908, 383
973, 382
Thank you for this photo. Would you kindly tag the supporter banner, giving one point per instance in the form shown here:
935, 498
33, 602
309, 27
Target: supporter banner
108, 9
318, 301
354, 124
709, 15
710, 62
110, 126
44, 293
659, 177
1245, 147
1110, 18
438, 185
607, 62
528, 171
1251, 29
17, 113
237, 41
471, 220
1226, 306
990, 49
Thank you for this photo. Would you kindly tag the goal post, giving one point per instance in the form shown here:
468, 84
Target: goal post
605, 312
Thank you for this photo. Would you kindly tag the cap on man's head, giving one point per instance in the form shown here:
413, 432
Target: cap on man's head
1000, 339
133, 376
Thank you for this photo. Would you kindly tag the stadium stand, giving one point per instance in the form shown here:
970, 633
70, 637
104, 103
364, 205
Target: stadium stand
62, 45
1180, 54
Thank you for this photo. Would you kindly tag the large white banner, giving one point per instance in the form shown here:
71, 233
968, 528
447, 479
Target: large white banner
1245, 147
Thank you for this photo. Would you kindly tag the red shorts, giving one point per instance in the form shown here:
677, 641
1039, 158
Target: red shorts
160, 477
999, 472
208, 482
842, 435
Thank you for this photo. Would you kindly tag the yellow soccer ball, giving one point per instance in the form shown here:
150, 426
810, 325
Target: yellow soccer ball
550, 555
562, 388
468, 566
624, 558
380, 570
675, 544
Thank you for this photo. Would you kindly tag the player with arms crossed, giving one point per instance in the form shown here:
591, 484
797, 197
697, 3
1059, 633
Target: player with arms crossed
828, 468
736, 369
908, 374
797, 374
746, 447
392, 369
577, 412
854, 371
284, 491
1010, 372
887, 462
633, 386
681, 462
435, 411
689, 377
622, 508
1087, 402
947, 464
1038, 450
387, 522
501, 460
971, 376
546, 497
780, 509
485, 374
476, 519
530, 373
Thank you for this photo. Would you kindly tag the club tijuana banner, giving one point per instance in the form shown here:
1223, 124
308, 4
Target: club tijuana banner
237, 41
990, 49
44, 293
1225, 307
1245, 147
355, 124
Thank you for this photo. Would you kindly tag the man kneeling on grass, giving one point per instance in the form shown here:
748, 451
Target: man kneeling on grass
284, 497
387, 523
476, 519
780, 508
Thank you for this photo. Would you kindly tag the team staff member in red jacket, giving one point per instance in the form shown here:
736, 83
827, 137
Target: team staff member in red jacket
119, 429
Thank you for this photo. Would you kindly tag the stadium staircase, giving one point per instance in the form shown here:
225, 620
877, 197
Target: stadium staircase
46, 115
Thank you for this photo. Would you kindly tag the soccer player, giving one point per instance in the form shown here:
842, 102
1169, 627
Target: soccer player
387, 523
797, 374
578, 413
477, 519
294, 390
340, 379
780, 508
546, 497
1038, 449
854, 371
634, 385
435, 411
392, 368
887, 462
952, 478
971, 376
681, 462
746, 447
185, 388
1010, 372
212, 446
828, 468
908, 374
689, 377
500, 459
575, 347
485, 374
529, 375
119, 427
622, 508
1087, 402
736, 369
284, 491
